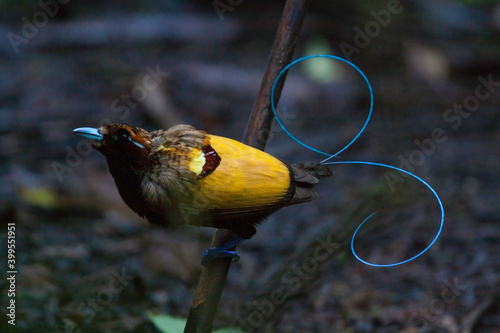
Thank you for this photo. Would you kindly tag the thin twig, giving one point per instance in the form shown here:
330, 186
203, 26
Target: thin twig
471, 319
214, 274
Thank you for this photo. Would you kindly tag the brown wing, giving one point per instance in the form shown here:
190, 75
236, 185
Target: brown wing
171, 178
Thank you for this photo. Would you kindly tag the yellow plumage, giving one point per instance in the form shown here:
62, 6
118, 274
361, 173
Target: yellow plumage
185, 176
197, 161
246, 178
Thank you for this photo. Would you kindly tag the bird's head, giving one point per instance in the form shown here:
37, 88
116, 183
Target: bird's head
118, 141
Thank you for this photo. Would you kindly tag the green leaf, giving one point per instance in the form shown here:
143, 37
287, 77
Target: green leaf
229, 330
168, 324
322, 70
39, 197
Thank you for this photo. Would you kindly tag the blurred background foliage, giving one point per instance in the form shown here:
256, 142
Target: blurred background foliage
75, 235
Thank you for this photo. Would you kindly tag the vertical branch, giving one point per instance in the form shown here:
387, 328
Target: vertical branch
214, 273
281, 55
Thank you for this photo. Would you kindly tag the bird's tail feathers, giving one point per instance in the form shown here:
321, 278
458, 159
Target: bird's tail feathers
313, 169
305, 176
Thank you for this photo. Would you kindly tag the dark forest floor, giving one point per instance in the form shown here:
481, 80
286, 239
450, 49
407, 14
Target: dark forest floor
75, 237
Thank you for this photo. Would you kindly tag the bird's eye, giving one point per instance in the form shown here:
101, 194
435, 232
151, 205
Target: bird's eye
122, 135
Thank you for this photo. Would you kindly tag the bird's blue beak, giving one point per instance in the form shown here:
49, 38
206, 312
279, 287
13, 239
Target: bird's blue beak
89, 133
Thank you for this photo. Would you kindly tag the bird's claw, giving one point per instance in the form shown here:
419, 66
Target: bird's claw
230, 254
215, 253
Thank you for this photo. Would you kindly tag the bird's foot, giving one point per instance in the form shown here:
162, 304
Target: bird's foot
222, 252
216, 252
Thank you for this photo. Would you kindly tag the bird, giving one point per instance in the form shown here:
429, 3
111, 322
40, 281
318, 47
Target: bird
185, 176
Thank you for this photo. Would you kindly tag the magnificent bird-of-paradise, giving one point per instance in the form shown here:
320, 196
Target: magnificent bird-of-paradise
185, 176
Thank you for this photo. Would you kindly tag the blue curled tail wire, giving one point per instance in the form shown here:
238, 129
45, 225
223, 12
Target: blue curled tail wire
356, 162
362, 223
284, 70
